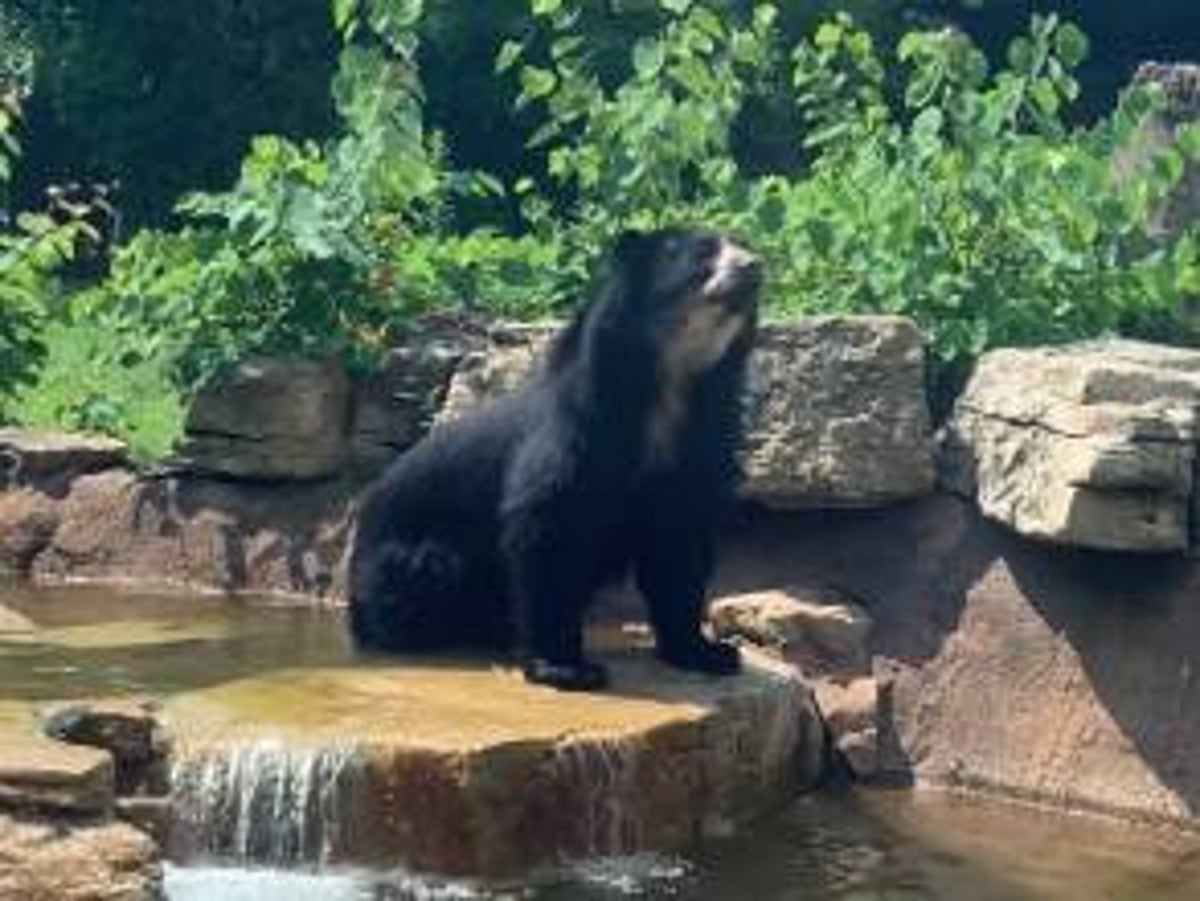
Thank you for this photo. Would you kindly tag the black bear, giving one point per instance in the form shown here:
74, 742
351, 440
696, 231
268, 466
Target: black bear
615, 456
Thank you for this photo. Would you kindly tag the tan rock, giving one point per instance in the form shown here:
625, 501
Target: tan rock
819, 630
496, 368
271, 419
469, 770
215, 534
66, 861
836, 408
27, 455
1092, 444
837, 414
124, 727
1009, 665
851, 710
28, 519
151, 815
39, 774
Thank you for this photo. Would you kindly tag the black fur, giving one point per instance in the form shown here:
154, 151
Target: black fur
497, 529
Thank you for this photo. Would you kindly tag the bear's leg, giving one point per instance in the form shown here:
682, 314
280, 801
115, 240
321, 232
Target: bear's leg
673, 565
551, 587
413, 597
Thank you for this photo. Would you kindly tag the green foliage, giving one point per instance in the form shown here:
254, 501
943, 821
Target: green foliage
655, 148
973, 210
292, 259
164, 97
78, 388
933, 186
969, 206
32, 248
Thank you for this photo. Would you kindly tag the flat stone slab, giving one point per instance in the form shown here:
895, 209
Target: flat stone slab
1091, 444
465, 769
44, 775
31, 453
270, 419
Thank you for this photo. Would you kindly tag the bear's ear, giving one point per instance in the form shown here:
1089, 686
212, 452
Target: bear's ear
630, 246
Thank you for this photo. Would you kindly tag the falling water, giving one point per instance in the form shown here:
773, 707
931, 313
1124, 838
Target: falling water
603, 776
263, 802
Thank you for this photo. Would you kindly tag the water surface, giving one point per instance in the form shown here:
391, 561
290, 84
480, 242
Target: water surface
847, 845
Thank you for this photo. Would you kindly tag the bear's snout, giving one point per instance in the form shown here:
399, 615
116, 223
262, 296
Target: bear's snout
736, 274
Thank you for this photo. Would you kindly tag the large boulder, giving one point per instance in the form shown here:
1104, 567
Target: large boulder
71, 861
1002, 664
1091, 444
395, 403
1180, 84
836, 408
180, 531
469, 770
271, 419
837, 414
495, 368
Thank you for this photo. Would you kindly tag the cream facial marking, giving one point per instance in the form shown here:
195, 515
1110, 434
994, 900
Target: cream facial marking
731, 260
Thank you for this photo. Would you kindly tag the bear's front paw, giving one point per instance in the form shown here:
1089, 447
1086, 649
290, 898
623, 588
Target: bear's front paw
578, 676
716, 658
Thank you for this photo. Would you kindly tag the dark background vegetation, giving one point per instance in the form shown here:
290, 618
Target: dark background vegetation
164, 96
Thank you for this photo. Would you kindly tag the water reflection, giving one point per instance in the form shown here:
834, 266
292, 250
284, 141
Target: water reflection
855, 846
851, 846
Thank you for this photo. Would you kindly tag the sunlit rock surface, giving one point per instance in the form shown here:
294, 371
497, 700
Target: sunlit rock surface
47, 776
27, 454
271, 419
1092, 444
836, 411
466, 769
73, 861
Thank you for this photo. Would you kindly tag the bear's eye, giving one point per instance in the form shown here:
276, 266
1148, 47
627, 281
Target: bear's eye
708, 248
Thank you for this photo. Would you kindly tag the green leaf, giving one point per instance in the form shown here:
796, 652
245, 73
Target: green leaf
537, 83
1168, 167
545, 7
510, 52
1021, 55
1188, 140
648, 58
1045, 96
1071, 45
343, 13
829, 35
708, 22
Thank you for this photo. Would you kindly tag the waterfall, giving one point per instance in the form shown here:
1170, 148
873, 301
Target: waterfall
601, 774
262, 802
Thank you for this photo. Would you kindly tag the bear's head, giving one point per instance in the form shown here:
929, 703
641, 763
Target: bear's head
695, 290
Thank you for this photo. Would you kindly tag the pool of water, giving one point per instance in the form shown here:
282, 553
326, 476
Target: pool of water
90, 643
845, 845
851, 846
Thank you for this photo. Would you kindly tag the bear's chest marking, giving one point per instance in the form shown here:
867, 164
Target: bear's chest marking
696, 342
